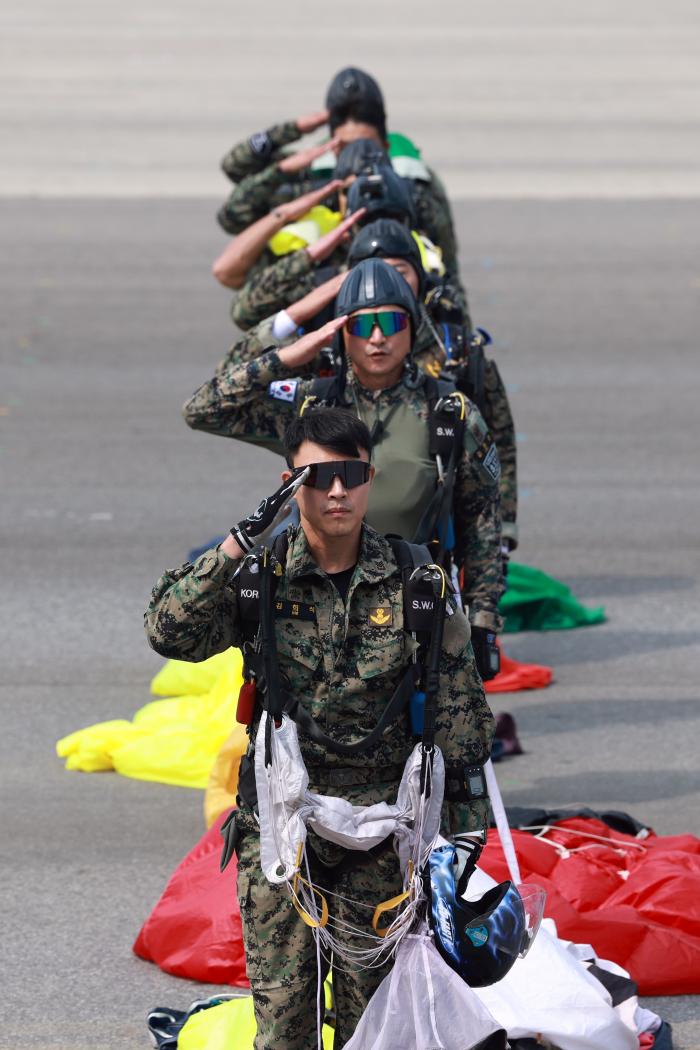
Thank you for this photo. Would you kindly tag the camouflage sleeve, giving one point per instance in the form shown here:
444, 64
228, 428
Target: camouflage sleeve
193, 611
251, 199
253, 401
255, 153
250, 346
500, 421
479, 548
273, 288
477, 522
464, 724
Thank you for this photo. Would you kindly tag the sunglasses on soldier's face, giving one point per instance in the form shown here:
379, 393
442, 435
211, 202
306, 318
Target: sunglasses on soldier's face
390, 322
352, 472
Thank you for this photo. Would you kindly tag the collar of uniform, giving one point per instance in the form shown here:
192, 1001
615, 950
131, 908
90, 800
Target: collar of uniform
375, 562
389, 394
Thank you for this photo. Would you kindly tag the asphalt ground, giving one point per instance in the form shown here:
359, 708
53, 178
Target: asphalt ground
110, 320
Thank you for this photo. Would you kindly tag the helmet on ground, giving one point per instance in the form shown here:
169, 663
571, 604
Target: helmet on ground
382, 192
480, 939
350, 87
359, 155
374, 283
387, 239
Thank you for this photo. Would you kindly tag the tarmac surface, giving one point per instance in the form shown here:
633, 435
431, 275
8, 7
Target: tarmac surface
569, 139
111, 321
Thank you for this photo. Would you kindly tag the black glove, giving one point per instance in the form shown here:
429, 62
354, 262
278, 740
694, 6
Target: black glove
486, 652
256, 528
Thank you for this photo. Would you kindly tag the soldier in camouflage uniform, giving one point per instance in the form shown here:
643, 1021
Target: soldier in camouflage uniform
255, 400
387, 239
272, 280
343, 663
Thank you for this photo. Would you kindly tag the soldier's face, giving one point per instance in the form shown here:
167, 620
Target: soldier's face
408, 273
332, 512
355, 129
378, 361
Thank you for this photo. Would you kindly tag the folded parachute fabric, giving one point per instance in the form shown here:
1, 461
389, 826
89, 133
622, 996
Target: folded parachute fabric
635, 900
173, 741
219, 1023
515, 676
194, 931
537, 602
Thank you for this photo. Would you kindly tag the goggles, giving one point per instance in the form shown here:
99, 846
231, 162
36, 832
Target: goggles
352, 472
390, 322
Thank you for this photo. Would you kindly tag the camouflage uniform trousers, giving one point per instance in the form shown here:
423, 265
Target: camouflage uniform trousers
280, 949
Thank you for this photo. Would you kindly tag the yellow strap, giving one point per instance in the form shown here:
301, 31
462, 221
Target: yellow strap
303, 914
390, 904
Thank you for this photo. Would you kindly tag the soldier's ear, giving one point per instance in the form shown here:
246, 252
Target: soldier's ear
372, 472
286, 475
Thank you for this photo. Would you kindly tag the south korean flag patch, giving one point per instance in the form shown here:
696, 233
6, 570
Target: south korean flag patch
283, 390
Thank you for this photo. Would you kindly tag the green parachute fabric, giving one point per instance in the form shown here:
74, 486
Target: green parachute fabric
230, 1024
173, 741
537, 602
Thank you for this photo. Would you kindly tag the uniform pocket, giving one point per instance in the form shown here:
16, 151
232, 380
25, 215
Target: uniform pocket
298, 641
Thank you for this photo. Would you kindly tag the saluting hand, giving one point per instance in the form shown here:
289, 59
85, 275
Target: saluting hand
303, 158
293, 210
311, 121
304, 309
306, 348
327, 244
258, 526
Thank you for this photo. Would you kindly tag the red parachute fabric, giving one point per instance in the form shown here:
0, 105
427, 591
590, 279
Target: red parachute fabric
636, 901
194, 931
515, 676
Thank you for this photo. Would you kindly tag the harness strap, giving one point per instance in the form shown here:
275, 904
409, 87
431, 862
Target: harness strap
393, 710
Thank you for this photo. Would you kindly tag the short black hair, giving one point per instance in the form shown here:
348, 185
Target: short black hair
362, 113
337, 429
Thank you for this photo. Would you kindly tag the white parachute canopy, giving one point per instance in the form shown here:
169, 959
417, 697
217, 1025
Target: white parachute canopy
286, 807
424, 1005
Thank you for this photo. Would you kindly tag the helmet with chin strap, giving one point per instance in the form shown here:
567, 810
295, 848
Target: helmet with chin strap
381, 192
351, 87
388, 239
374, 282
358, 156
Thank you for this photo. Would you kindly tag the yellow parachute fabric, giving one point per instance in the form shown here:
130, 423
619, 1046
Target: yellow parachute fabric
173, 741
310, 228
223, 778
230, 1024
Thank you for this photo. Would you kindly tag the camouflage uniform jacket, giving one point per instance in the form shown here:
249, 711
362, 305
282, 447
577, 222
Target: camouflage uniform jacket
430, 357
342, 666
275, 282
494, 407
255, 401
252, 164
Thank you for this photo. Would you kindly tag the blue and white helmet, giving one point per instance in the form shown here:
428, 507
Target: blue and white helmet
480, 939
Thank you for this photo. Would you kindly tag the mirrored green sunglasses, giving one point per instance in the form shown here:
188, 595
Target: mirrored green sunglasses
390, 322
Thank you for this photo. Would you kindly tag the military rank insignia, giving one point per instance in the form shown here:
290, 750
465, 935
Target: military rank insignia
379, 616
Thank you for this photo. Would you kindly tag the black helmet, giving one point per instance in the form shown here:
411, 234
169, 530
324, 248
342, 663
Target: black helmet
382, 192
359, 155
374, 283
351, 86
387, 239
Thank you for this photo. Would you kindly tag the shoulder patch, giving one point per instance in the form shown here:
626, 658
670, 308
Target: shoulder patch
260, 143
283, 389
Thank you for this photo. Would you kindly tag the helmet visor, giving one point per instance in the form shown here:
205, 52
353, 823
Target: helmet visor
533, 898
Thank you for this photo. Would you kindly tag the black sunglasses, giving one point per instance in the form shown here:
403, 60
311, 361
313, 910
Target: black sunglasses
352, 472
